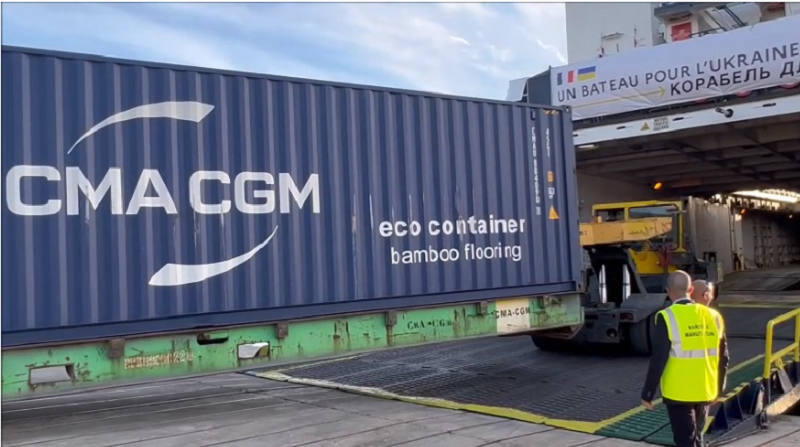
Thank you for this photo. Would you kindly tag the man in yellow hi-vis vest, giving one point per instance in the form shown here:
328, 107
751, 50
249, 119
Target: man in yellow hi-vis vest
690, 359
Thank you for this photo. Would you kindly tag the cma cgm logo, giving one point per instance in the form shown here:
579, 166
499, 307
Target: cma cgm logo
271, 193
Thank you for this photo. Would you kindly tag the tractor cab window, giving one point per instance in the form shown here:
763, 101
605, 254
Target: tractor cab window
611, 215
667, 210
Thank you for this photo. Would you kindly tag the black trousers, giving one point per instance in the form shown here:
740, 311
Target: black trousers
688, 421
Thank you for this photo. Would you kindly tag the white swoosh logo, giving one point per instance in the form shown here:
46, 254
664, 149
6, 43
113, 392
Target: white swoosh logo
180, 274
185, 110
177, 274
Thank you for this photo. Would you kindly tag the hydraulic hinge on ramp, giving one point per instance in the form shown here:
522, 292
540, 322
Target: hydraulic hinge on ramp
752, 406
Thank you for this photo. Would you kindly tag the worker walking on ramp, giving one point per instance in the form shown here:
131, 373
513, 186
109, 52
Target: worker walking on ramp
702, 292
690, 358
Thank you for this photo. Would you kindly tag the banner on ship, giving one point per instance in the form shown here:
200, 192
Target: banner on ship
751, 58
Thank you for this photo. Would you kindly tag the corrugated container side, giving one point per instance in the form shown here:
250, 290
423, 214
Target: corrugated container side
143, 198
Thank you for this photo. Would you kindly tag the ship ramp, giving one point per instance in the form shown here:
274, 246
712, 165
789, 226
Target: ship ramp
498, 392
591, 394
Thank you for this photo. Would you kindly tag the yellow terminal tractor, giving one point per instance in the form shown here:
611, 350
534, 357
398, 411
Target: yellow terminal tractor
658, 256
618, 308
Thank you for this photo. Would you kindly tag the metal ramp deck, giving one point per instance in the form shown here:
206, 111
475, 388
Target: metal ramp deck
775, 390
599, 395
766, 280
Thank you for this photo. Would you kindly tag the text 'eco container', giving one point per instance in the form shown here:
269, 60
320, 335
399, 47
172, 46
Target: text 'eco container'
142, 198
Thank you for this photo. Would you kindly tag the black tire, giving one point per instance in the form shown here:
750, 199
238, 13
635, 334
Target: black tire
550, 344
639, 337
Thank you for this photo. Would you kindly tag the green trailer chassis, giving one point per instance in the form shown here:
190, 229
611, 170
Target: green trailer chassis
40, 370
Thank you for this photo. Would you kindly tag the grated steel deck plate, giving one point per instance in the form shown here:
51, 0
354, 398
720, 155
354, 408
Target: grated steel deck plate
510, 377
749, 322
762, 280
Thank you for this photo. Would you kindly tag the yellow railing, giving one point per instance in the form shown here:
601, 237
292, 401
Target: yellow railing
770, 357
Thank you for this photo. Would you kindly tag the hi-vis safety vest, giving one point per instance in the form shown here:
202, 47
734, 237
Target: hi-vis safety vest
692, 372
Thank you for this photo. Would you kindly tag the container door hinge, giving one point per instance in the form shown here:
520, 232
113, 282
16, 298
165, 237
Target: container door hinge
116, 348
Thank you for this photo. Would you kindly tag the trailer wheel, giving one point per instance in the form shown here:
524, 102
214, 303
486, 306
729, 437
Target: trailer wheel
639, 337
549, 344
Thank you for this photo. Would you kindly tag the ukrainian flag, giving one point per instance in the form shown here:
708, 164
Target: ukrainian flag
587, 73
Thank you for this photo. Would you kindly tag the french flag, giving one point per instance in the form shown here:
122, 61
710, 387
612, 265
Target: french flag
569, 78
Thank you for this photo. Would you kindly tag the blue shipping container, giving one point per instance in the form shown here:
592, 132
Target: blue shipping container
142, 198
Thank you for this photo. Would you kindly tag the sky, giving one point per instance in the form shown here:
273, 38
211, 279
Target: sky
468, 49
